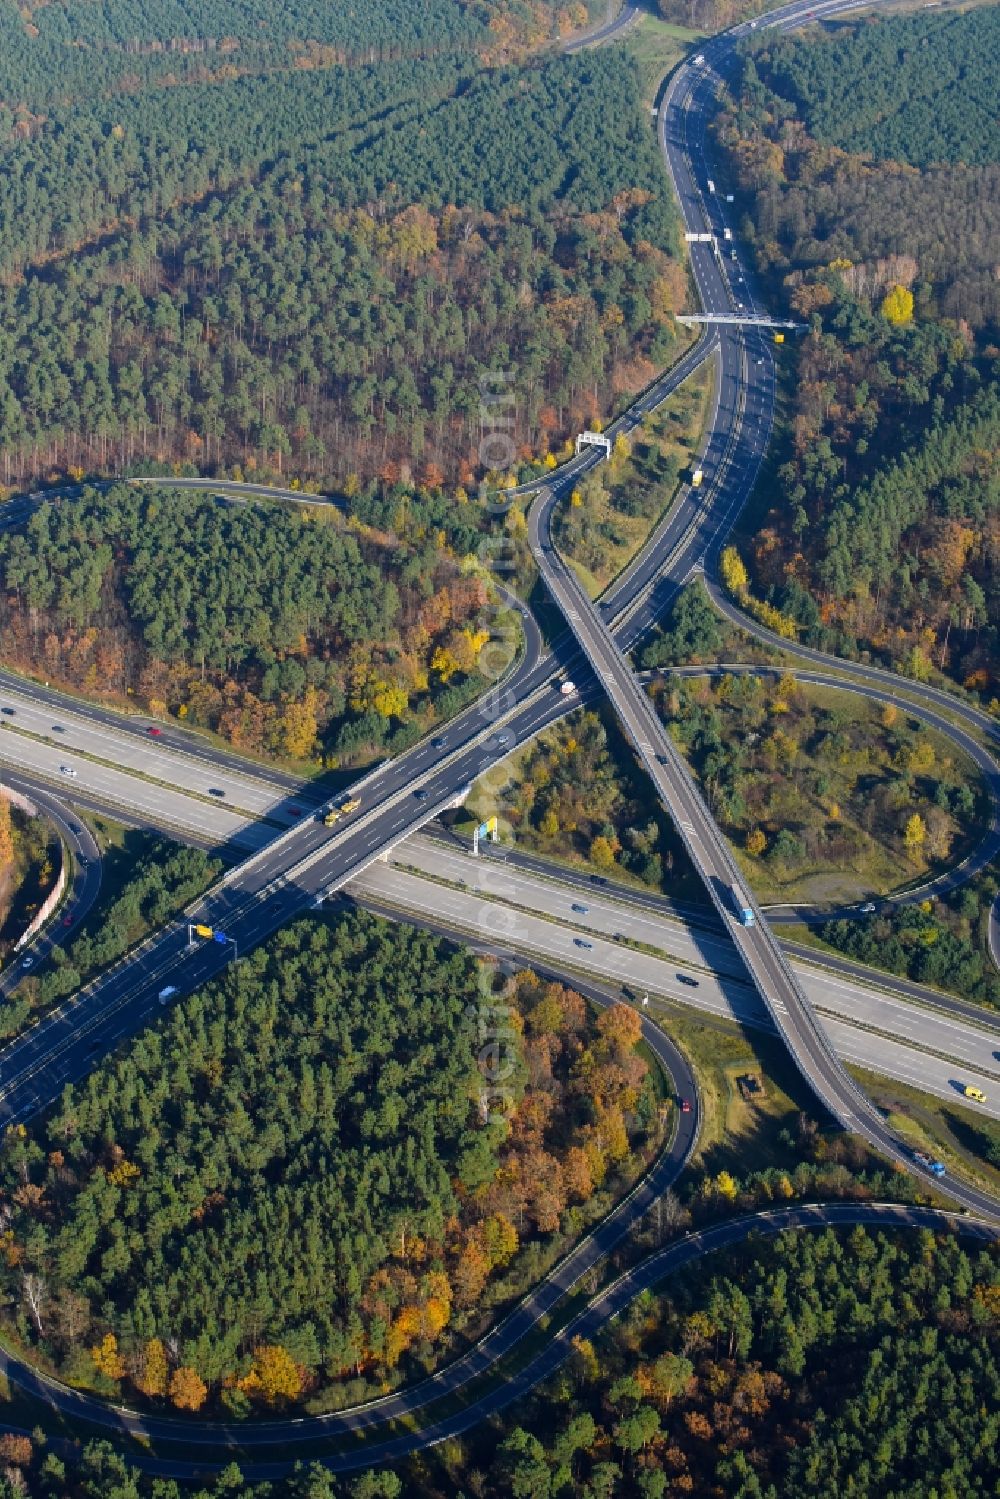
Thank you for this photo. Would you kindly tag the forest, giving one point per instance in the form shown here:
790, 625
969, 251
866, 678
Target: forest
817, 1363
887, 465
920, 89
317, 271
317, 1172
55, 52
297, 633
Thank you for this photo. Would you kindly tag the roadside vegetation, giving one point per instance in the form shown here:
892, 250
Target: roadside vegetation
320, 1174
150, 880
575, 794
865, 158
608, 517
29, 866
826, 796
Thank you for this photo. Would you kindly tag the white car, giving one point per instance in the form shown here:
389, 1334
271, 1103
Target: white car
27, 962
67, 770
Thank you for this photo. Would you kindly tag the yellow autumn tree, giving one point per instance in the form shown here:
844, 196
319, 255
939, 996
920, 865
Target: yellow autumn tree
756, 842
6, 835
915, 833
187, 1389
107, 1360
299, 726
897, 306
151, 1378
734, 573
274, 1374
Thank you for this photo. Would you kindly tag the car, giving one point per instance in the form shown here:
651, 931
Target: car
503, 739
67, 770
215, 791
438, 742
27, 962
85, 862
421, 795
580, 910
868, 908
57, 728
167, 994
685, 978
685, 1105
295, 811
598, 879
582, 942
67, 921
9, 711
75, 828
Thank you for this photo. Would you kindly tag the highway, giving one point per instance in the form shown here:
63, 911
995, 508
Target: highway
588, 1323
307, 860
793, 1016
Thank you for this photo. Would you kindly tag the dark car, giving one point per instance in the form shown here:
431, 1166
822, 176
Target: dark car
581, 910
685, 1105
75, 827
9, 711
214, 791
421, 795
57, 728
685, 978
598, 879
582, 942
439, 743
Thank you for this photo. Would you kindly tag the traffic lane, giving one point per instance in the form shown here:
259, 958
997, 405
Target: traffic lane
616, 918
143, 754
675, 980
133, 728
211, 817
706, 918
83, 883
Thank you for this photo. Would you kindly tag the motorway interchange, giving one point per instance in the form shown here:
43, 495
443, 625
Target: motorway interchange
288, 871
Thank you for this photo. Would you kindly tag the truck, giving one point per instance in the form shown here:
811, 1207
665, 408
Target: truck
699, 60
779, 338
727, 234
929, 1163
204, 931
697, 478
167, 994
744, 911
976, 1093
341, 809
711, 185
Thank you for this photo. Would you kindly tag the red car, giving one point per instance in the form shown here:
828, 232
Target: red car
685, 1106
154, 731
67, 921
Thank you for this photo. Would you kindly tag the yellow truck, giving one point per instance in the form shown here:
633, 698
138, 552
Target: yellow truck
204, 931
697, 478
976, 1093
341, 809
